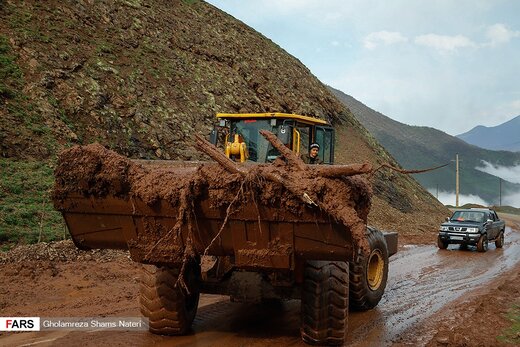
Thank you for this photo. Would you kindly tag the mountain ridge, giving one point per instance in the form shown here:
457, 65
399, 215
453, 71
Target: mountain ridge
422, 147
505, 136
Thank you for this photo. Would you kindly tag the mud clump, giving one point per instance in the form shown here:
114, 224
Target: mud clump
95, 171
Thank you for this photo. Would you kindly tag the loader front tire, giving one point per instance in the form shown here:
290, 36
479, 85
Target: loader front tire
325, 303
169, 308
368, 275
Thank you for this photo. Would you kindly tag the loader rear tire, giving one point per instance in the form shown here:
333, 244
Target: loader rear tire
169, 309
325, 303
368, 275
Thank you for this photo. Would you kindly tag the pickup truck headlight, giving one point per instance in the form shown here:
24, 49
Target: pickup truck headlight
443, 228
472, 230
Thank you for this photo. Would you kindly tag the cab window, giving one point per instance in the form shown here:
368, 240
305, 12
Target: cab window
305, 138
325, 138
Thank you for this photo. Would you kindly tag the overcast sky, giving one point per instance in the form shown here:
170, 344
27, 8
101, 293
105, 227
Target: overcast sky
447, 64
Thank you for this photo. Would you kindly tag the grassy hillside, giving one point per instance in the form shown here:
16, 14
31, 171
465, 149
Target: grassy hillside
26, 214
142, 78
421, 147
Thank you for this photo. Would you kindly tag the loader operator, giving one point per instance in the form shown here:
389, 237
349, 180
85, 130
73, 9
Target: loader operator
312, 156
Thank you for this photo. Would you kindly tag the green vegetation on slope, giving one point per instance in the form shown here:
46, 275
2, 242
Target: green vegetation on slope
19, 117
26, 211
10, 73
512, 334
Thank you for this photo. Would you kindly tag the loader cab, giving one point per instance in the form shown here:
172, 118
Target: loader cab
238, 133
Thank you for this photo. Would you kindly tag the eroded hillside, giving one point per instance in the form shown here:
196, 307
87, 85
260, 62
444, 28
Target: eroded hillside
143, 77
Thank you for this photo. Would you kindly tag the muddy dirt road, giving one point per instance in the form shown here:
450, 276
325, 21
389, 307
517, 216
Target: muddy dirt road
423, 282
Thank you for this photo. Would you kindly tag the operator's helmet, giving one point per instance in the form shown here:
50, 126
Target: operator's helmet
314, 145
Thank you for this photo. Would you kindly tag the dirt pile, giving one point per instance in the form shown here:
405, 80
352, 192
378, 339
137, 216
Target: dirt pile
96, 171
62, 251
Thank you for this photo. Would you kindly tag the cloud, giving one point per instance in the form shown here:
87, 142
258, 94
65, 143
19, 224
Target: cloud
496, 34
512, 199
515, 104
444, 43
508, 173
500, 34
335, 43
385, 38
476, 82
449, 198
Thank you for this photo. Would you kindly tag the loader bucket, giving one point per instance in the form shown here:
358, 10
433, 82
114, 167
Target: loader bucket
162, 210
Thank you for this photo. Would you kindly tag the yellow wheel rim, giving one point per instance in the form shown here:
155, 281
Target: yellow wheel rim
375, 269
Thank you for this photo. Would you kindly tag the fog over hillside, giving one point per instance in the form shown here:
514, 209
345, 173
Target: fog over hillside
509, 173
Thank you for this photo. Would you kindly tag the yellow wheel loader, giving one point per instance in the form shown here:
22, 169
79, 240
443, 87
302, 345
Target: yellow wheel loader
243, 140
255, 226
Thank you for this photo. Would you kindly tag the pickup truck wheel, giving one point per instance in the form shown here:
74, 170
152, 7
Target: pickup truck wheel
169, 309
442, 244
324, 302
499, 243
368, 275
482, 244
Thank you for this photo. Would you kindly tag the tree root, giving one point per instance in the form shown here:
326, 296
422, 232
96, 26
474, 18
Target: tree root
293, 171
228, 213
290, 174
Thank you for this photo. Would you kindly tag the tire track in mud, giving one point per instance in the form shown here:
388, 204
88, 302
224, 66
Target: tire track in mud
424, 279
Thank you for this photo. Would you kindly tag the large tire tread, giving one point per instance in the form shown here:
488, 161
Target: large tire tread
362, 297
164, 303
325, 303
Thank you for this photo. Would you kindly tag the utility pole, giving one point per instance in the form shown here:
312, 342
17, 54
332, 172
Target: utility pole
500, 191
457, 181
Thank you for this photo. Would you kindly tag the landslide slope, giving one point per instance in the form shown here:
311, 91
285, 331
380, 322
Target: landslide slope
143, 77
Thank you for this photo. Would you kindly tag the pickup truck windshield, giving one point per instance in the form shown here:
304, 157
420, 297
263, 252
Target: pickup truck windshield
468, 216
